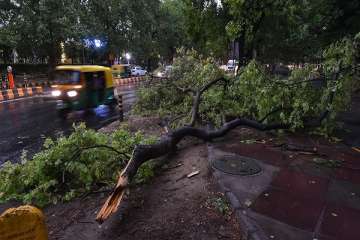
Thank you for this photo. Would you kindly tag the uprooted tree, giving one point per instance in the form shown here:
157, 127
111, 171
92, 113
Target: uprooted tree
197, 94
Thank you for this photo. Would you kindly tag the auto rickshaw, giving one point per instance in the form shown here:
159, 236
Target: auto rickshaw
121, 70
82, 87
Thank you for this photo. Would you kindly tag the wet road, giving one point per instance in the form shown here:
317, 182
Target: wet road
25, 123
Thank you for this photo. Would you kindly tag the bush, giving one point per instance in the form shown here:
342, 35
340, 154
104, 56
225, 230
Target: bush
68, 166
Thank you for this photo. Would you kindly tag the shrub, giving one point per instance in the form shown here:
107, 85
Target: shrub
68, 166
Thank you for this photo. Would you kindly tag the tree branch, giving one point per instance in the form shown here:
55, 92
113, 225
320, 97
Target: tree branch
108, 147
208, 85
184, 90
197, 100
195, 108
276, 110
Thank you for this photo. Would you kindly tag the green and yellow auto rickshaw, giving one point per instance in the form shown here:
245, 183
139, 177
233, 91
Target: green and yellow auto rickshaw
82, 87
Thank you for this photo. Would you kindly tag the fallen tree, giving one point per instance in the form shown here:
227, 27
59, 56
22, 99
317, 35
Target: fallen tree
168, 144
186, 91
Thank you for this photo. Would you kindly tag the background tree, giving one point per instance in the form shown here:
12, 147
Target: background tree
289, 31
205, 23
8, 38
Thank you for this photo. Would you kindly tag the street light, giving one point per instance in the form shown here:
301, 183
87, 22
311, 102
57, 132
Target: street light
128, 57
97, 43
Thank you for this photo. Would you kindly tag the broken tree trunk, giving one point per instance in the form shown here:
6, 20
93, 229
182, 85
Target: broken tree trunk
165, 145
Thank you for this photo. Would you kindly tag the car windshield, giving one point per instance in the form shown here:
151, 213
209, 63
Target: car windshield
232, 62
67, 77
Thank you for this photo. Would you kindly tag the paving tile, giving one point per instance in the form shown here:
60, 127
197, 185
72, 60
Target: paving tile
301, 185
351, 161
344, 193
305, 164
248, 188
273, 229
289, 209
349, 157
259, 152
349, 175
323, 237
341, 222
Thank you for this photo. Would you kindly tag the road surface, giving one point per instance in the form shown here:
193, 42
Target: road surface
25, 123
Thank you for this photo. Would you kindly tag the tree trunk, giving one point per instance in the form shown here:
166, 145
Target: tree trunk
241, 48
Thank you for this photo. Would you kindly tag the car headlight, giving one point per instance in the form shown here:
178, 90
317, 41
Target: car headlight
72, 93
55, 93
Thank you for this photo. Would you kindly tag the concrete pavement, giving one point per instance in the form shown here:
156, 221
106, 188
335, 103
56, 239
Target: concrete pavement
309, 194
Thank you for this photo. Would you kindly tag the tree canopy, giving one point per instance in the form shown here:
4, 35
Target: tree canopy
271, 31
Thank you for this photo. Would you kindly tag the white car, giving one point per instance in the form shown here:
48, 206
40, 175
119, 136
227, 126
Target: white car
138, 71
231, 65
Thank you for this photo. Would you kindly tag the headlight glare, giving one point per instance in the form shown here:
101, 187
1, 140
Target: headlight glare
72, 93
55, 93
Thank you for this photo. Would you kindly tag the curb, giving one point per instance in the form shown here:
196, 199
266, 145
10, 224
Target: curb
16, 93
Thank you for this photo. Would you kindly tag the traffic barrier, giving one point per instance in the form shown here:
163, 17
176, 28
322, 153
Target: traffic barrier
15, 93
26, 84
131, 80
24, 222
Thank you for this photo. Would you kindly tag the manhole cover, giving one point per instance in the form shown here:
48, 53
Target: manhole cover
237, 165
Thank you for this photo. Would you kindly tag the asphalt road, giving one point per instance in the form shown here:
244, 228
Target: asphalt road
25, 123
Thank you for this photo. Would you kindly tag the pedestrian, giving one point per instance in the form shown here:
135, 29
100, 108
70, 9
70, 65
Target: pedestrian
10, 77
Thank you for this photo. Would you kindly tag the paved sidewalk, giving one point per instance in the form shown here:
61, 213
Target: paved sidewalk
308, 188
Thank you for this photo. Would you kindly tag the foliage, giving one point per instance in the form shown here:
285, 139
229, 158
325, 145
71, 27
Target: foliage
69, 166
299, 100
204, 27
220, 204
145, 173
190, 70
254, 93
271, 30
37, 28
289, 31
